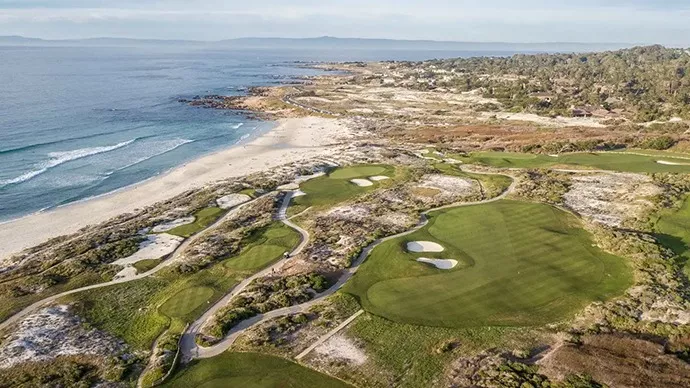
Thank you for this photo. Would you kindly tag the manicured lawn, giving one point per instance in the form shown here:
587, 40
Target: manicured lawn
186, 301
673, 231
250, 370
520, 264
600, 160
204, 218
336, 186
265, 247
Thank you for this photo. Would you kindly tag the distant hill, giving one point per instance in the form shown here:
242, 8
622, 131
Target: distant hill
321, 43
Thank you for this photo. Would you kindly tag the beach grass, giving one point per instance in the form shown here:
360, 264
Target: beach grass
613, 161
203, 219
417, 356
520, 264
251, 370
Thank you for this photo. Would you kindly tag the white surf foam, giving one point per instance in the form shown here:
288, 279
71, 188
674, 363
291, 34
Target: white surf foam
237, 126
58, 158
167, 146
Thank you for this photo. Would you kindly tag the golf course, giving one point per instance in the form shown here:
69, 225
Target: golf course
518, 264
673, 231
337, 185
251, 370
649, 162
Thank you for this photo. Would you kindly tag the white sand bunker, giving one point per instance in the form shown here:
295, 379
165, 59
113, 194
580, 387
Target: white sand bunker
154, 247
362, 182
232, 200
378, 178
172, 224
424, 246
672, 163
439, 263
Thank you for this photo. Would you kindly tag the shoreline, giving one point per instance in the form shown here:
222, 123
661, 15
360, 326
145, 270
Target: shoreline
240, 142
291, 140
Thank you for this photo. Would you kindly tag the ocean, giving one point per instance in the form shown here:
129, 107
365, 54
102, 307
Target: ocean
78, 122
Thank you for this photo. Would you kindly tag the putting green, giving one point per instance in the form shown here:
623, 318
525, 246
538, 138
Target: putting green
336, 186
614, 161
251, 370
673, 231
520, 264
265, 247
186, 301
357, 172
203, 219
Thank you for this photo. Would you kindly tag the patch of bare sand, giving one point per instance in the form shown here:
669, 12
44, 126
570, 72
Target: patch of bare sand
341, 348
611, 198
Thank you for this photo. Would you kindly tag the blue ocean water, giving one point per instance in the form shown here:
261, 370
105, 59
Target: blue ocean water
81, 122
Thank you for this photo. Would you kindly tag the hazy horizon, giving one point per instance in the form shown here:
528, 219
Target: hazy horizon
488, 21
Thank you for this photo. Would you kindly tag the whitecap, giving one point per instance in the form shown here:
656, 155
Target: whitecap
237, 126
58, 158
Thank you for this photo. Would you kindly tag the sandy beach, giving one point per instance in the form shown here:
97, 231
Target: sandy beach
292, 140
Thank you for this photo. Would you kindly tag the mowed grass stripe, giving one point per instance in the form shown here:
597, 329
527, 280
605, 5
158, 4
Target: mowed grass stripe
525, 264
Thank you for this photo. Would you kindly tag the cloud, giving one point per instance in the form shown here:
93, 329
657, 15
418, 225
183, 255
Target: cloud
527, 20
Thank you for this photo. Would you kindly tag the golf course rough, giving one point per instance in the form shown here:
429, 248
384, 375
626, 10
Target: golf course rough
519, 264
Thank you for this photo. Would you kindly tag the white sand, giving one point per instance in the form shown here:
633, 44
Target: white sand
362, 182
155, 247
424, 246
672, 163
232, 200
439, 263
172, 224
378, 178
341, 348
293, 140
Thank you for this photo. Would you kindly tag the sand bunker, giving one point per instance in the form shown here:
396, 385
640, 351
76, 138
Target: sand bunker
154, 247
172, 224
439, 263
232, 200
424, 246
672, 163
378, 178
362, 182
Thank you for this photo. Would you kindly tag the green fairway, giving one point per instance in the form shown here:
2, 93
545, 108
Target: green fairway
251, 370
186, 301
599, 160
146, 265
204, 218
520, 264
265, 247
336, 187
673, 231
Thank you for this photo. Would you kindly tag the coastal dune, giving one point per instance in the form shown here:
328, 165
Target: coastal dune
293, 139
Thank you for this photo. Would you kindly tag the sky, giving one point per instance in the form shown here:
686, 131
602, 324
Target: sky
631, 21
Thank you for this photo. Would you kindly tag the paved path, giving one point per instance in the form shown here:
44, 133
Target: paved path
191, 350
188, 344
173, 258
328, 335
